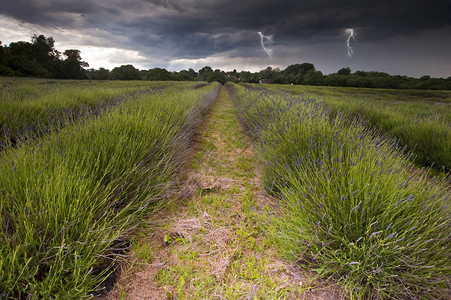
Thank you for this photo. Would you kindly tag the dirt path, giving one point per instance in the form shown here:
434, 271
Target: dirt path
209, 244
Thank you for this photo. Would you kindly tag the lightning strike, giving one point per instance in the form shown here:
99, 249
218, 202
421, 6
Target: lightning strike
348, 40
266, 41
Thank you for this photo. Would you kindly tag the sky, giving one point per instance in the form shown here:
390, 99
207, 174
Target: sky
400, 37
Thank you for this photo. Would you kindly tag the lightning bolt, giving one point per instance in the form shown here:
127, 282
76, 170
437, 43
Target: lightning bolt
266, 41
348, 40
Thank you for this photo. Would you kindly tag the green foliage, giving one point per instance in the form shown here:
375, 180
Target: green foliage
313, 78
344, 71
295, 73
351, 206
419, 119
158, 74
100, 74
32, 107
6, 71
72, 66
125, 72
41, 59
70, 201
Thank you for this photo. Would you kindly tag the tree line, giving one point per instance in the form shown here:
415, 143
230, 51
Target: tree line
40, 58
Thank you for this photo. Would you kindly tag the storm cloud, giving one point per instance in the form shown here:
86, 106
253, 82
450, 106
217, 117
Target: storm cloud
399, 37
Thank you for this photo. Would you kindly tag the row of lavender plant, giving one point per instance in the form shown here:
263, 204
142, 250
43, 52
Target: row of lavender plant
420, 123
69, 202
352, 208
33, 108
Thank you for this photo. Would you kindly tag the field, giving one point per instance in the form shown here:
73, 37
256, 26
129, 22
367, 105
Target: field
357, 181
420, 120
352, 204
70, 198
31, 107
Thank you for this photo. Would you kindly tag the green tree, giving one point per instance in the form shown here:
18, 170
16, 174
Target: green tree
125, 72
157, 74
314, 78
20, 59
205, 73
192, 73
2, 55
295, 73
183, 75
44, 52
72, 66
217, 75
4, 69
245, 76
100, 74
21, 49
344, 71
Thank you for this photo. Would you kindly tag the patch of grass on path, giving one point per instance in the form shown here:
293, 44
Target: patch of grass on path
211, 245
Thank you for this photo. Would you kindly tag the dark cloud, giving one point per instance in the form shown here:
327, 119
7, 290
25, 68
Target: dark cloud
197, 28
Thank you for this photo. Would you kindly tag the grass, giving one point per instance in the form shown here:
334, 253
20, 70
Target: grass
70, 200
419, 119
352, 207
33, 107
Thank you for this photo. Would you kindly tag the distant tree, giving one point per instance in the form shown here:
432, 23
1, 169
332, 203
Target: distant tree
4, 69
313, 78
21, 49
2, 55
217, 75
268, 74
360, 73
377, 74
20, 59
125, 72
205, 73
335, 79
44, 52
183, 75
245, 76
72, 67
41, 59
206, 69
344, 71
424, 78
355, 81
157, 74
295, 73
192, 73
143, 73
100, 74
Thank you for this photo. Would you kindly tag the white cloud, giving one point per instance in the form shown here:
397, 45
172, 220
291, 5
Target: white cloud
13, 31
222, 62
89, 43
110, 58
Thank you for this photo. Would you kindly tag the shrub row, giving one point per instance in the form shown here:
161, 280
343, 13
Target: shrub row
410, 116
32, 107
70, 201
352, 206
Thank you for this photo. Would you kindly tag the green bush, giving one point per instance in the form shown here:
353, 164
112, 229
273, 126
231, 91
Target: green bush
70, 201
352, 206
